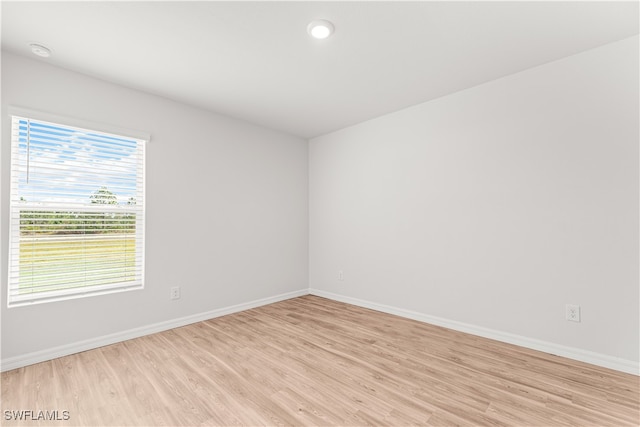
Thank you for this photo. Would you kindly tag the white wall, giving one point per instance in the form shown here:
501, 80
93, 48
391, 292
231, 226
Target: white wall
227, 212
494, 206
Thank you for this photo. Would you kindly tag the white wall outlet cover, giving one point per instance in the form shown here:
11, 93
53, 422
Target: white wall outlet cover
572, 312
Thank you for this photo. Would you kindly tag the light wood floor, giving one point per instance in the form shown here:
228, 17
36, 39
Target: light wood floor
313, 361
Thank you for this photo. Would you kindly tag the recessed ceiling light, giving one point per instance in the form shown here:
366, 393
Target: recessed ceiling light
320, 29
40, 50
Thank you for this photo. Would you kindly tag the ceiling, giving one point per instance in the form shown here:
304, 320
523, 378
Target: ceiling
255, 61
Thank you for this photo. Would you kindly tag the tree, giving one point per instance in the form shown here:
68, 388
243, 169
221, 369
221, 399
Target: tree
129, 219
103, 196
103, 222
93, 221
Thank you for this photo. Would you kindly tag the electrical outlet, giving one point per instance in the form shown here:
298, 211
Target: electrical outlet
572, 312
340, 275
175, 292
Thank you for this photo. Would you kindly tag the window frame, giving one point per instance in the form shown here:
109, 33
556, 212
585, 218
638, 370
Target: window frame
14, 232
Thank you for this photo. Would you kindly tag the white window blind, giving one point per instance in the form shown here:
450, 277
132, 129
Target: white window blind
77, 212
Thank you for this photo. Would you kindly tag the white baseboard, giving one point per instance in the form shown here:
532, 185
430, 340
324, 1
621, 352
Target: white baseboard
65, 350
593, 358
598, 359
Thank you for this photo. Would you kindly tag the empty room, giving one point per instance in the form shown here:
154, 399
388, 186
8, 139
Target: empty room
320, 213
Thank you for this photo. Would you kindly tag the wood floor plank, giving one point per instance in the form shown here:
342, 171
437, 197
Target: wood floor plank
310, 361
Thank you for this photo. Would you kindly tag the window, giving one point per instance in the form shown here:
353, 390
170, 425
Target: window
77, 212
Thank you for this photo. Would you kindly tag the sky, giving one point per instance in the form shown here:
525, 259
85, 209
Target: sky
58, 164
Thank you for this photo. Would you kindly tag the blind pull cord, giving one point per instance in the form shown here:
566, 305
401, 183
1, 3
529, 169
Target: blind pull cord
28, 147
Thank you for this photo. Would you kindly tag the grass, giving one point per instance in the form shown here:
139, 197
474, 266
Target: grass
53, 262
